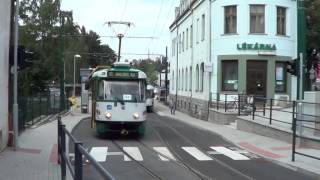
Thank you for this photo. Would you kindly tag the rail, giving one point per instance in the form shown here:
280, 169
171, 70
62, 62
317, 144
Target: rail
80, 152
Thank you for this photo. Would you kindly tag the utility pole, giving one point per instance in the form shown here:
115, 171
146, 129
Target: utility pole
61, 63
301, 46
15, 78
166, 75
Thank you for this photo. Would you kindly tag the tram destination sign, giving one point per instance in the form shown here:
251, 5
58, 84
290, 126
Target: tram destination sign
257, 47
119, 74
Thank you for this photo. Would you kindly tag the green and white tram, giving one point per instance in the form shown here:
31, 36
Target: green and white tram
118, 99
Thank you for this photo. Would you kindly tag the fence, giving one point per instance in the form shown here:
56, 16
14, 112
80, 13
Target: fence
233, 103
80, 152
35, 108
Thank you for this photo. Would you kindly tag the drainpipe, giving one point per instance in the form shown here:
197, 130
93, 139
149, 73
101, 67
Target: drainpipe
209, 42
177, 74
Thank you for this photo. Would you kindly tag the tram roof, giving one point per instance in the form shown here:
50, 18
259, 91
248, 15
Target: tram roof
103, 71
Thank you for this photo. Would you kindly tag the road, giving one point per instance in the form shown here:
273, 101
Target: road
173, 150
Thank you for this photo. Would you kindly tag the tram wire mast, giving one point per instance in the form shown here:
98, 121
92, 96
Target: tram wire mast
119, 35
122, 35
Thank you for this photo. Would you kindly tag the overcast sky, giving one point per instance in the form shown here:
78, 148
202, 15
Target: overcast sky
151, 18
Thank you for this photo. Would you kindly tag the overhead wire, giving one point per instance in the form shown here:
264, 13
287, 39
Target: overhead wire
155, 25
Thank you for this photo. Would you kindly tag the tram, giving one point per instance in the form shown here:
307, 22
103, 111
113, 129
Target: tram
150, 97
118, 99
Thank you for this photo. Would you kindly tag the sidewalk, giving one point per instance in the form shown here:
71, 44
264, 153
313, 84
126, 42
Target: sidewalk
36, 157
272, 149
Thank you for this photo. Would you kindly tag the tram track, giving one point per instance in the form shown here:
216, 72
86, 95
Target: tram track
175, 131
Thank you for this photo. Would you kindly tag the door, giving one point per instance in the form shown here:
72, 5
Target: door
257, 78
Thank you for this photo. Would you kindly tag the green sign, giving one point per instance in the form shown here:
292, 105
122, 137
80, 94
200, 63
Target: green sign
256, 47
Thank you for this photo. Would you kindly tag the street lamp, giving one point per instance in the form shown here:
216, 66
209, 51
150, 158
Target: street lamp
74, 73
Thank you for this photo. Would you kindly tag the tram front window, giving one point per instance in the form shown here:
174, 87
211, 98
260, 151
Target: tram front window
122, 91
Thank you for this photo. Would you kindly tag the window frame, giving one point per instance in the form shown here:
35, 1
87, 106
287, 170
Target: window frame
284, 74
226, 63
255, 31
281, 32
231, 20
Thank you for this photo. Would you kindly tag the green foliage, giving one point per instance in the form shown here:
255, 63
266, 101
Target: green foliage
52, 35
313, 24
150, 67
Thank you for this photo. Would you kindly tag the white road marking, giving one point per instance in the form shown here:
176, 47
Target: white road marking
134, 152
99, 153
164, 151
196, 153
229, 153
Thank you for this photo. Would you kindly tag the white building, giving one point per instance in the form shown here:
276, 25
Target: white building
4, 69
229, 47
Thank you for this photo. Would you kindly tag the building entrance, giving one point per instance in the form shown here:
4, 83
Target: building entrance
257, 78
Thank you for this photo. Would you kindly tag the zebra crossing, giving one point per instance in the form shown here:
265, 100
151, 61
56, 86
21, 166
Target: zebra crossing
102, 154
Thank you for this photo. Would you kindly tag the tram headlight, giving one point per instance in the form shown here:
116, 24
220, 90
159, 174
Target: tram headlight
135, 115
108, 115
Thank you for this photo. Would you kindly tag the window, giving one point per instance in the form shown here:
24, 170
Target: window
182, 80
201, 76
281, 77
187, 39
230, 75
230, 19
203, 27
179, 81
190, 79
197, 78
183, 42
281, 20
173, 81
197, 32
186, 84
191, 36
173, 47
179, 43
257, 19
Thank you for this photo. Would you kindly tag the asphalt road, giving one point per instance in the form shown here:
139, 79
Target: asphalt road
174, 150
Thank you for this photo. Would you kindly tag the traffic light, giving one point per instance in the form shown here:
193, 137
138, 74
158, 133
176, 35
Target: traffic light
293, 67
25, 57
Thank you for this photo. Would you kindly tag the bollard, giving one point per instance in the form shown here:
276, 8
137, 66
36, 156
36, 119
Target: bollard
270, 115
239, 105
225, 102
293, 139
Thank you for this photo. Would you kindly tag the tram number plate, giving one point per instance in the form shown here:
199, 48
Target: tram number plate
109, 107
127, 97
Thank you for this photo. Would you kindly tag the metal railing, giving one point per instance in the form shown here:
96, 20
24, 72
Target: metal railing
295, 136
35, 108
233, 103
80, 152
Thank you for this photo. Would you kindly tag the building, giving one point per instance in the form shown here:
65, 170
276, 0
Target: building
229, 47
4, 70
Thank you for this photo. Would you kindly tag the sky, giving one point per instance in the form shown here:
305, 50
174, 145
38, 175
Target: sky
151, 18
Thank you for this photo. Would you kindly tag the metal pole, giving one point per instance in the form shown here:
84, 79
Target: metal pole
270, 115
166, 75
74, 75
120, 36
62, 65
301, 22
301, 77
15, 78
78, 161
294, 139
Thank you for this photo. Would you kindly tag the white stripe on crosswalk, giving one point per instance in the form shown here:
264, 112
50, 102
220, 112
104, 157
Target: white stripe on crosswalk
229, 153
196, 153
99, 153
134, 152
165, 152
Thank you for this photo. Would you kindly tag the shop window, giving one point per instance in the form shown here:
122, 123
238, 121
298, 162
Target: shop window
257, 20
201, 76
173, 81
281, 77
197, 78
190, 79
230, 75
230, 24
281, 20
